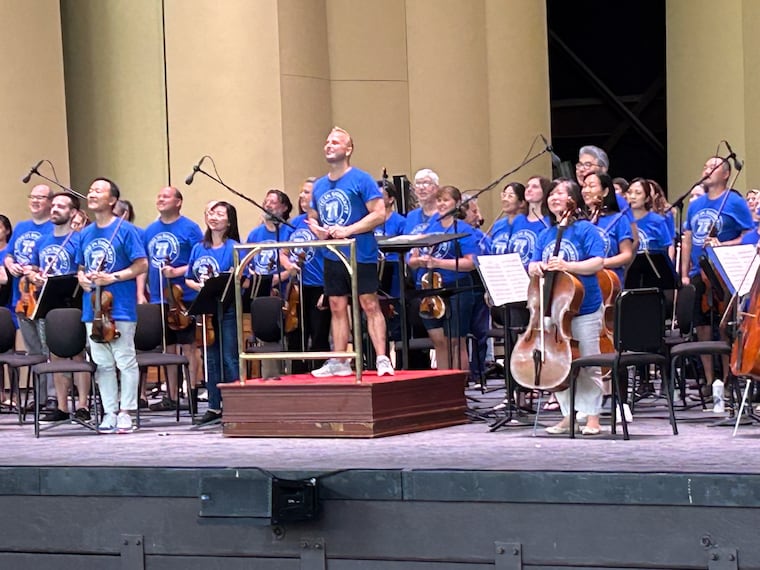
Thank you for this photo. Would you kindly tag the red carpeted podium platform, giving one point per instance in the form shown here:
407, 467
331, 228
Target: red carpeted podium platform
303, 406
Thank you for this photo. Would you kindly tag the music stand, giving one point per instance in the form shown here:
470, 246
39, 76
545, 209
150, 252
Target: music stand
59, 291
651, 269
214, 298
401, 245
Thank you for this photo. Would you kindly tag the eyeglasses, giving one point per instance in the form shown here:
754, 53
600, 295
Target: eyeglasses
38, 198
424, 183
584, 165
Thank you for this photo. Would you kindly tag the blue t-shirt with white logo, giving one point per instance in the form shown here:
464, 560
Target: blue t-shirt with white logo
500, 234
99, 252
343, 202
524, 236
467, 245
614, 229
26, 234
170, 244
311, 259
654, 235
57, 255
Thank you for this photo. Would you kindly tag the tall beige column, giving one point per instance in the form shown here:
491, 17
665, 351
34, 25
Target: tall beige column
32, 102
115, 96
713, 68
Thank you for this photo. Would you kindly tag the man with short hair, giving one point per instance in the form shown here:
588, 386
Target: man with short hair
55, 254
110, 258
346, 203
168, 242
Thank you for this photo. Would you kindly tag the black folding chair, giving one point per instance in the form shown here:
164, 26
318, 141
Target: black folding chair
638, 341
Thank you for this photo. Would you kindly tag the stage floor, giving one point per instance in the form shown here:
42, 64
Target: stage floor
163, 443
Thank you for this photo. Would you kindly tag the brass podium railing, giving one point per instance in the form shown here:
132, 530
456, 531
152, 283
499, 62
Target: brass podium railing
248, 251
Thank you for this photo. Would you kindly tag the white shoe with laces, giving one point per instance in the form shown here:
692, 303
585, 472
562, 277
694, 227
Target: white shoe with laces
108, 425
124, 423
384, 366
333, 367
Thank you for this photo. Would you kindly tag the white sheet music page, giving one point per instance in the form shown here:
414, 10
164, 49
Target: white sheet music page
739, 264
505, 278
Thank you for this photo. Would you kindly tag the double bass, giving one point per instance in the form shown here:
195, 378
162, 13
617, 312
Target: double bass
542, 355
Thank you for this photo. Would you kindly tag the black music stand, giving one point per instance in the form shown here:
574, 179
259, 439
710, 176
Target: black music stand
651, 269
59, 291
401, 245
214, 298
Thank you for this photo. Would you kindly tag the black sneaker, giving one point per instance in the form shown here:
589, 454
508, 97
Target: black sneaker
82, 415
165, 405
143, 403
209, 417
55, 416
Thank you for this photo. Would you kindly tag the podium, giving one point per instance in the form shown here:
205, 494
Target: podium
401, 245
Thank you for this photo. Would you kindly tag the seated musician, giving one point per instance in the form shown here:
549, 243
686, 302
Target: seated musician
452, 261
581, 252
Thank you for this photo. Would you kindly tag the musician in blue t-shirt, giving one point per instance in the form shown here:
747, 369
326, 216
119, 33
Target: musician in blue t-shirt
110, 258
581, 252
348, 204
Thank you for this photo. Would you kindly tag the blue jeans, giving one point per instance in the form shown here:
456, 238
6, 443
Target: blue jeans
229, 357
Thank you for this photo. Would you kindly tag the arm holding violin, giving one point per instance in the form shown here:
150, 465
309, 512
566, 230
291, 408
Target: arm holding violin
103, 278
15, 269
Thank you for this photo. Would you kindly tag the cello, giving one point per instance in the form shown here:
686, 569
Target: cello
609, 283
542, 355
745, 352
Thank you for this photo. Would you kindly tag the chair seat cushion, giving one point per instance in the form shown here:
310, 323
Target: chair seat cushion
701, 347
607, 359
160, 359
19, 360
64, 366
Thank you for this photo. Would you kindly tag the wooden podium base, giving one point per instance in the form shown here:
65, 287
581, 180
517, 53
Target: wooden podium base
304, 406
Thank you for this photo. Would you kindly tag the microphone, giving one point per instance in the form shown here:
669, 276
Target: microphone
196, 168
738, 163
33, 170
556, 160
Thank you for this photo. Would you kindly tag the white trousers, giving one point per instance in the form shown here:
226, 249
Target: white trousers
588, 390
119, 353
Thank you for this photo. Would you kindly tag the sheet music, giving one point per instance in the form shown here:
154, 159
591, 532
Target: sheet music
734, 262
505, 278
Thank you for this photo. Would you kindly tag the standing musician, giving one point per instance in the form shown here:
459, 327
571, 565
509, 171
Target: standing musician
110, 258
265, 262
720, 217
6, 283
55, 254
347, 204
513, 204
17, 262
526, 227
614, 228
209, 258
425, 188
168, 243
452, 261
313, 332
388, 273
654, 234
581, 253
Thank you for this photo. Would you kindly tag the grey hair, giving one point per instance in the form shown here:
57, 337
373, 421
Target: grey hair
426, 172
597, 153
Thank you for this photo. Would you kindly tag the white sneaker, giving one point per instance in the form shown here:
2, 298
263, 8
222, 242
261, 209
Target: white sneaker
384, 366
333, 367
124, 423
108, 425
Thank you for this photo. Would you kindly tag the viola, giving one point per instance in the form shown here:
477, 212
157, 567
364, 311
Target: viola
103, 325
745, 352
543, 354
433, 306
27, 303
609, 283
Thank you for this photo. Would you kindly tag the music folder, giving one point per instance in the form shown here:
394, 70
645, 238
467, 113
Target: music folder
215, 290
651, 269
59, 291
735, 265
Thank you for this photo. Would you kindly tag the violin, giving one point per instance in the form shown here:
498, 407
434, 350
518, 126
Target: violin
177, 318
542, 355
745, 352
433, 306
103, 325
27, 303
